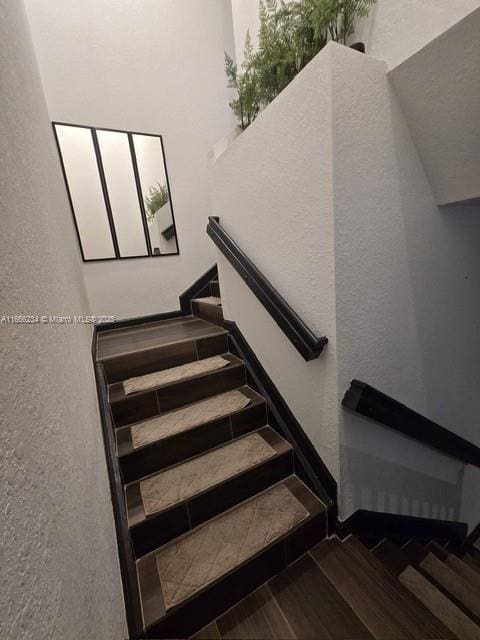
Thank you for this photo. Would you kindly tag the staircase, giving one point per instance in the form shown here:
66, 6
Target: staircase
228, 541
214, 505
342, 590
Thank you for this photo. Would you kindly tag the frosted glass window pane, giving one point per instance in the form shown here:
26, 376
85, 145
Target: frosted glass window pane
122, 192
85, 188
153, 180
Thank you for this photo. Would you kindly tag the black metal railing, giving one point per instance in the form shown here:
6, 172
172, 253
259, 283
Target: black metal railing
300, 335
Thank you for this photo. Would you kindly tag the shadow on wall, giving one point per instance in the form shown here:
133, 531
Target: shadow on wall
426, 484
442, 245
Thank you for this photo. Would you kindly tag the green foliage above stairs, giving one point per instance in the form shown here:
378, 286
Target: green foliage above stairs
290, 35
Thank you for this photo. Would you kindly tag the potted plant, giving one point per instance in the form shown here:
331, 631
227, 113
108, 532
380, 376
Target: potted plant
158, 197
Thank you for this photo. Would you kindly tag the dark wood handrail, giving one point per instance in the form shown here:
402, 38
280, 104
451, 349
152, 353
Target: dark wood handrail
300, 335
373, 404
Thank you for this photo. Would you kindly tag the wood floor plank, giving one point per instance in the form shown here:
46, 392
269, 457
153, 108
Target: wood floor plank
463, 569
391, 556
440, 605
380, 601
256, 617
210, 632
155, 334
452, 582
312, 605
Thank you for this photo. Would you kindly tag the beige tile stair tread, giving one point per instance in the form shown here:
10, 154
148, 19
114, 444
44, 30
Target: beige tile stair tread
209, 552
213, 300
194, 476
174, 374
186, 418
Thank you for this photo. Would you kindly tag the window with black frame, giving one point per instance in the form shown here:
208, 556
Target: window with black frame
119, 192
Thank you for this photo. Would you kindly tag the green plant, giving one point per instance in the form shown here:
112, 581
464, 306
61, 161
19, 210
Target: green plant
157, 197
291, 33
246, 105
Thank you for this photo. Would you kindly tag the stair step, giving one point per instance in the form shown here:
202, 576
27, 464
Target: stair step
245, 543
173, 374
414, 551
182, 433
134, 407
394, 559
467, 572
427, 593
440, 605
384, 606
452, 583
169, 424
214, 301
209, 308
153, 346
312, 605
215, 288
173, 501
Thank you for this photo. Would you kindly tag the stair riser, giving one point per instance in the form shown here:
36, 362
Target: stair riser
205, 607
214, 289
144, 405
151, 360
185, 445
208, 312
199, 509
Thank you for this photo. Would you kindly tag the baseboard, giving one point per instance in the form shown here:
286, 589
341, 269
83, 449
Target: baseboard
309, 466
131, 594
376, 525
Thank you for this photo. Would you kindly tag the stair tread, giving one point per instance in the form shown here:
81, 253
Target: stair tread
215, 301
385, 607
312, 605
169, 487
173, 374
452, 582
414, 551
115, 343
440, 605
391, 556
464, 570
429, 595
116, 391
166, 425
256, 616
173, 574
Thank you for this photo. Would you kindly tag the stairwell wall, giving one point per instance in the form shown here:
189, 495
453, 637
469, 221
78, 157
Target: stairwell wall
406, 274
392, 32
329, 171
155, 67
60, 573
272, 189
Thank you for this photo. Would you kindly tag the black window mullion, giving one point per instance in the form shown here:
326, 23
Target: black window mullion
139, 193
103, 181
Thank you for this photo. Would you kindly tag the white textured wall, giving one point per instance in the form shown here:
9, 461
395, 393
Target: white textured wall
407, 279
152, 66
392, 32
439, 89
272, 189
329, 170
59, 566
396, 30
245, 18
